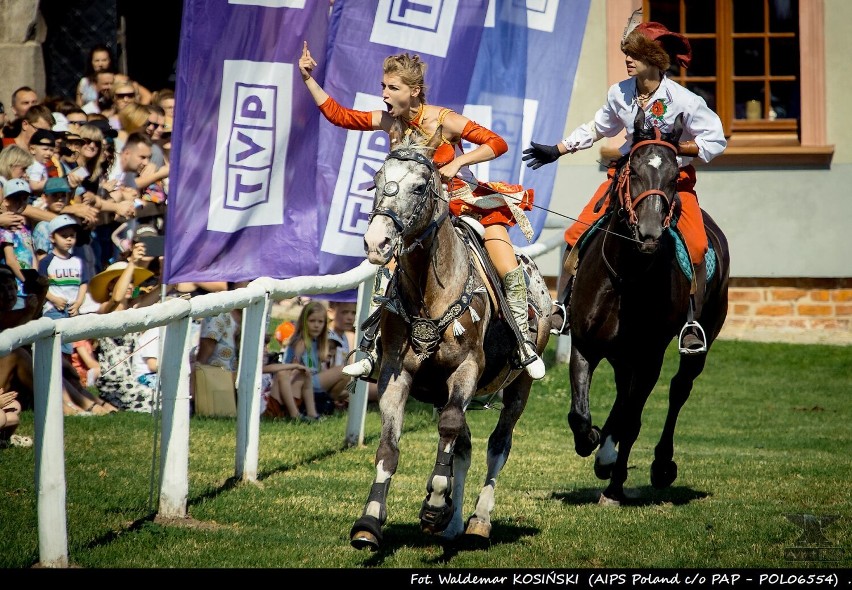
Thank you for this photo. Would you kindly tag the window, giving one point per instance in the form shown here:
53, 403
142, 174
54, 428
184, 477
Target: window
760, 64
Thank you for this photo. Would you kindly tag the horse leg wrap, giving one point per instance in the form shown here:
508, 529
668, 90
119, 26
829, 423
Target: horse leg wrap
435, 519
379, 493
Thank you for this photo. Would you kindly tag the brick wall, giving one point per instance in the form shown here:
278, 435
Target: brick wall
790, 310
794, 310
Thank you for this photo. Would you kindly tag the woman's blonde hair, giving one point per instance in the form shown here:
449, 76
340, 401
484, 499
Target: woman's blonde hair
133, 117
92, 133
12, 155
410, 69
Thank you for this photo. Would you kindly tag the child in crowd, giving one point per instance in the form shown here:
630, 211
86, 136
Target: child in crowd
67, 273
341, 338
57, 195
42, 145
281, 398
309, 346
17, 244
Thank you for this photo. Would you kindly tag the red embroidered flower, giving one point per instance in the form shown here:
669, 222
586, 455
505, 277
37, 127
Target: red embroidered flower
658, 108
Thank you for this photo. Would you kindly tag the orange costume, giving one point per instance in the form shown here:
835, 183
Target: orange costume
488, 202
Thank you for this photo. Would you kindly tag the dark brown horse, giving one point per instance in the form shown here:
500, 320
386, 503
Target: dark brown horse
442, 342
629, 300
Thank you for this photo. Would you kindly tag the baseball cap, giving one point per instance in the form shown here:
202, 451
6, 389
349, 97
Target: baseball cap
43, 137
59, 222
56, 184
16, 186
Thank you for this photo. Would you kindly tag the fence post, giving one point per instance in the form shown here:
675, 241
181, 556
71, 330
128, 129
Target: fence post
252, 346
50, 452
358, 401
174, 451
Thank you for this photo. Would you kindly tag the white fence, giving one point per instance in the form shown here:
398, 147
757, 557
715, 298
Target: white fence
47, 335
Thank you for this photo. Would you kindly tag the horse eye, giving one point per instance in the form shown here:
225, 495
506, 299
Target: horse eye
421, 188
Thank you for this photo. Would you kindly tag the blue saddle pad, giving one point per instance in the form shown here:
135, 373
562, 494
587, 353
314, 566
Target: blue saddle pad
683, 257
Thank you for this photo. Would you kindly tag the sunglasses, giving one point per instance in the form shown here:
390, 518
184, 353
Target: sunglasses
90, 142
125, 94
154, 124
83, 122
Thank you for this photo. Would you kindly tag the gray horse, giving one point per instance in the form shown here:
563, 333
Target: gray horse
442, 341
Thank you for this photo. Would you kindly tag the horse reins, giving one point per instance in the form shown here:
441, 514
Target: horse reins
622, 188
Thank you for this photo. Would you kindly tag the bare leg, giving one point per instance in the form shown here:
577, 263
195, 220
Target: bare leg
285, 391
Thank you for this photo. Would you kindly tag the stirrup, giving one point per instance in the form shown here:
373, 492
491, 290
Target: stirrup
699, 333
561, 329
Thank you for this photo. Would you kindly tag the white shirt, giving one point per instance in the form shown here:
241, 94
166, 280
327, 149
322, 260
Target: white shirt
700, 123
149, 347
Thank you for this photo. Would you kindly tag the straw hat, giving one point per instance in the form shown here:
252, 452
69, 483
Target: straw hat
98, 284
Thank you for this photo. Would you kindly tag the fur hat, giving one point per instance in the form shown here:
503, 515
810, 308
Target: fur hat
653, 43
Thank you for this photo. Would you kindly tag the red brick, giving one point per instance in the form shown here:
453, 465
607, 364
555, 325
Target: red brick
843, 309
745, 295
774, 310
841, 294
815, 310
820, 295
786, 294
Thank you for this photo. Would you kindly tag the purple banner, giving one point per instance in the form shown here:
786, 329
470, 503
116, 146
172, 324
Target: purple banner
242, 199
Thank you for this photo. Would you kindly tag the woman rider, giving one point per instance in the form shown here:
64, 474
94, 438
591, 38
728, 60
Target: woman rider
647, 49
404, 93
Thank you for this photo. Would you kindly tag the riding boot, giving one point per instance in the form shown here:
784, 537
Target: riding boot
692, 339
516, 297
364, 367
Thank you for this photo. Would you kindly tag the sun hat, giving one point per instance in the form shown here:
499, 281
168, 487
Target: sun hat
655, 43
59, 222
99, 283
15, 186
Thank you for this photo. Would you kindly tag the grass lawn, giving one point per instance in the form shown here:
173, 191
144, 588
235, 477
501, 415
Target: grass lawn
766, 434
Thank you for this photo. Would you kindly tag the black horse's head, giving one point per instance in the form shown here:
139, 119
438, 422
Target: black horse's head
647, 187
408, 188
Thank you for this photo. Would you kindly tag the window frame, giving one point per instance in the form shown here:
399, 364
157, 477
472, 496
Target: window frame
760, 143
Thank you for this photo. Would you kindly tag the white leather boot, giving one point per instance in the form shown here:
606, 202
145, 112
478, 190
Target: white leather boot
516, 297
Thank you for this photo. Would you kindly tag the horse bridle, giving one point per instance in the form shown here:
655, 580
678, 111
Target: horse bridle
391, 190
622, 189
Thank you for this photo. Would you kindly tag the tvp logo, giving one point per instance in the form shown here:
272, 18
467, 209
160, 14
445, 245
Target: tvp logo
247, 184
423, 26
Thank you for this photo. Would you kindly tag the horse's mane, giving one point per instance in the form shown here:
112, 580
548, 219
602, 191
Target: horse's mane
402, 138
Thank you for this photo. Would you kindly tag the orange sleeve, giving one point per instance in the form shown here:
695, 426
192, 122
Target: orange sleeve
346, 118
476, 133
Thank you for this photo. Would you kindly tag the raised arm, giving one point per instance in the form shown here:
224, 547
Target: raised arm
330, 108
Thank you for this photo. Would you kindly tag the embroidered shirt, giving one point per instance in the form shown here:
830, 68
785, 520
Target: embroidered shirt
700, 123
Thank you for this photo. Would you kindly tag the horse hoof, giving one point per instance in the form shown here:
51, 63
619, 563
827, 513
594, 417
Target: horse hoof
603, 471
478, 527
585, 446
364, 540
366, 533
605, 501
663, 474
435, 520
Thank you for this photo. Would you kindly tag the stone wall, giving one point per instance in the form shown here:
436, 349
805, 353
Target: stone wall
22, 32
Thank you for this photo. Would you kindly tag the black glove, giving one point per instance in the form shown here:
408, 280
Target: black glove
539, 155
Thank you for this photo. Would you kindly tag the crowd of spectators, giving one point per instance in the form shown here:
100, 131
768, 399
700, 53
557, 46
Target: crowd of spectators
85, 184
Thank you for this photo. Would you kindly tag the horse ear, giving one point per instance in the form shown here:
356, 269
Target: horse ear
639, 122
435, 140
396, 133
678, 127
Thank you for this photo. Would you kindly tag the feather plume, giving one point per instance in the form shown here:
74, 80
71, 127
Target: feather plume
634, 21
